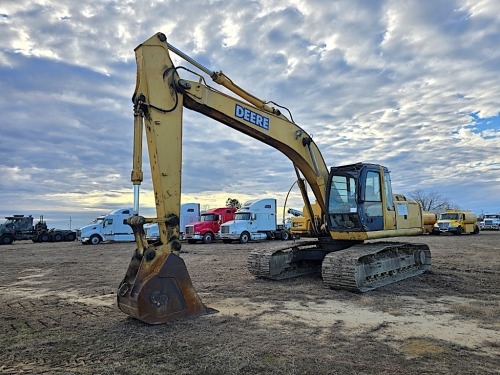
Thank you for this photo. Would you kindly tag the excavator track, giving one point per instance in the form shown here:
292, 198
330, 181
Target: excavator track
359, 268
365, 267
286, 263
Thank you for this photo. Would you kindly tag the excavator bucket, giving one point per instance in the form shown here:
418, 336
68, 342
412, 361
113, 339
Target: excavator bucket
158, 290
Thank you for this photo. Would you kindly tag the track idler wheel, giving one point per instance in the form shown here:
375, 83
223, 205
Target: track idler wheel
158, 290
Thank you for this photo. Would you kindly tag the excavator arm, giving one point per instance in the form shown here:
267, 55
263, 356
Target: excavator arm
155, 272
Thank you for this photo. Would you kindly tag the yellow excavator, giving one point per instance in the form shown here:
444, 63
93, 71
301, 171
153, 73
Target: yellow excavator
356, 201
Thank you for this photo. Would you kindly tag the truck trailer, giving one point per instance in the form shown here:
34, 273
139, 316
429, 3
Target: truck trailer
20, 227
256, 220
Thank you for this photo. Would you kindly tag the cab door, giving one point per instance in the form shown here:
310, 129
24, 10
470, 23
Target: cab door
371, 207
108, 229
254, 224
388, 202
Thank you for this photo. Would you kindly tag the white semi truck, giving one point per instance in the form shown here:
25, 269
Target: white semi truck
256, 220
490, 222
111, 227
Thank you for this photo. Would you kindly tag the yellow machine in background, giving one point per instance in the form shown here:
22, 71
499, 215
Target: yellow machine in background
354, 202
303, 226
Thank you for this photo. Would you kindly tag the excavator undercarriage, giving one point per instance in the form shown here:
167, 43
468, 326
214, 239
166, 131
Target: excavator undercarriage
361, 268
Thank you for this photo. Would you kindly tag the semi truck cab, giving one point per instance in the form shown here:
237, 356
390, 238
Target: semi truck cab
207, 228
112, 227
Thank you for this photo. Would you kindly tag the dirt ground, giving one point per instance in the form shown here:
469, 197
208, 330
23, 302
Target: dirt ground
59, 316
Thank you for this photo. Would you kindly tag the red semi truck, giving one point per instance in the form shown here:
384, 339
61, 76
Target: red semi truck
207, 228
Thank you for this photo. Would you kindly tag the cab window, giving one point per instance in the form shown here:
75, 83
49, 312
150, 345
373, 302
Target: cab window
388, 192
372, 187
342, 195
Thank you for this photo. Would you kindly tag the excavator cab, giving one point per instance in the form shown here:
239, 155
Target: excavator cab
360, 205
356, 197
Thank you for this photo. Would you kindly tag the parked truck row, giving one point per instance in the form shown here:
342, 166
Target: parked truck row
256, 220
20, 227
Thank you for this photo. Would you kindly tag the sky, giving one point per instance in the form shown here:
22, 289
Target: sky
412, 85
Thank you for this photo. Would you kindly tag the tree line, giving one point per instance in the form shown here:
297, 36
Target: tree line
432, 201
